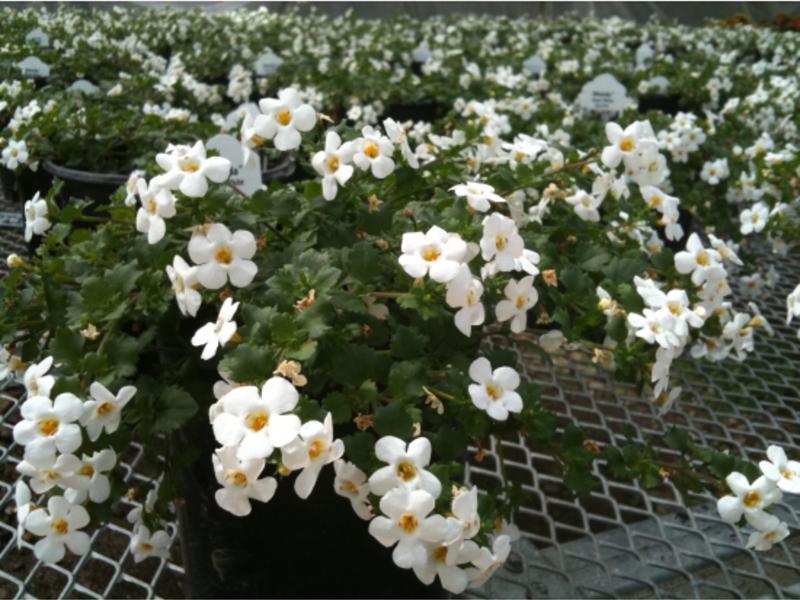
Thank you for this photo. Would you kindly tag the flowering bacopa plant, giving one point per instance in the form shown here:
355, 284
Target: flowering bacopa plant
336, 322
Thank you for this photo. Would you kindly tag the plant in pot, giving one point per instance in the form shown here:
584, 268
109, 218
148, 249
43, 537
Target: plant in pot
326, 341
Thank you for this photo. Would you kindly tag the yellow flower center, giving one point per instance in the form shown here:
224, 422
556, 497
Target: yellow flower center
786, 473
372, 150
189, 165
48, 426
239, 478
408, 523
702, 259
224, 255
14, 152
87, 471
521, 302
333, 164
284, 117
627, 145
440, 554
316, 450
675, 309
349, 487
471, 299
152, 207
501, 241
257, 421
752, 500
431, 253
406, 471
257, 139
105, 408
146, 547
494, 391
61, 527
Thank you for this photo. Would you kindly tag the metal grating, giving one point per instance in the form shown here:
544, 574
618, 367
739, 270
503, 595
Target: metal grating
622, 542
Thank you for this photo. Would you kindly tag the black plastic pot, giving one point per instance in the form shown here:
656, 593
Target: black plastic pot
423, 111
283, 170
84, 184
667, 104
8, 183
287, 547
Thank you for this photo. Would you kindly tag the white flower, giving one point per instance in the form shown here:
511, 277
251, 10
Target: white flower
749, 499
49, 471
784, 472
284, 118
221, 255
753, 220
793, 304
374, 152
59, 525
495, 390
771, 531
501, 241
655, 327
36, 219
132, 187
188, 169
478, 195
701, 263
314, 449
488, 562
15, 154
214, 335
90, 480
49, 425
465, 517
406, 467
143, 545
520, 296
585, 205
332, 164
436, 251
397, 134
158, 203
104, 410
351, 482
135, 515
464, 292
257, 424
240, 481
628, 143
442, 560
407, 524
37, 383
183, 279
22, 498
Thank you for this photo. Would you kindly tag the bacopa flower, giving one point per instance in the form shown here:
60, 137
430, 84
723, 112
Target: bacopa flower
501, 241
37, 382
748, 499
351, 483
408, 525
436, 252
465, 518
442, 560
332, 164
585, 205
753, 220
240, 481
36, 219
143, 545
374, 151
221, 254
397, 134
314, 449
284, 118
49, 425
478, 195
214, 335
158, 203
464, 292
59, 525
494, 391
520, 297
90, 479
257, 423
489, 561
15, 154
188, 169
701, 263
48, 471
183, 279
104, 410
771, 531
406, 467
22, 499
784, 472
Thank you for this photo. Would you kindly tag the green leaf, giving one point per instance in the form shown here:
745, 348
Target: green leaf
623, 270
359, 448
337, 404
67, 346
309, 410
363, 262
450, 443
249, 365
573, 437
173, 409
56, 299
123, 352
678, 439
406, 379
616, 463
347, 301
597, 262
501, 357
617, 328
303, 353
393, 419
664, 260
580, 480
408, 343
351, 364
579, 286
122, 278
96, 292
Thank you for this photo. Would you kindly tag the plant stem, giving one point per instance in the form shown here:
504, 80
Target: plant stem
447, 396
501, 456
387, 294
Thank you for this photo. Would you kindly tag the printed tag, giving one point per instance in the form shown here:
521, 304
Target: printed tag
603, 94
85, 86
268, 64
232, 120
37, 35
246, 179
535, 65
420, 54
33, 68
661, 84
643, 52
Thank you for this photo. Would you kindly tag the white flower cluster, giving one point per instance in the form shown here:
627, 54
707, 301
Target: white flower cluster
683, 138
749, 500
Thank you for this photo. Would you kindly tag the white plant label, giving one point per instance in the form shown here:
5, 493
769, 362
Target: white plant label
33, 68
603, 94
420, 54
85, 86
37, 35
268, 64
643, 52
535, 65
246, 179
661, 83
232, 120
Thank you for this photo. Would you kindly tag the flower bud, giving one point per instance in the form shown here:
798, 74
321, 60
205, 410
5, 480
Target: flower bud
14, 261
